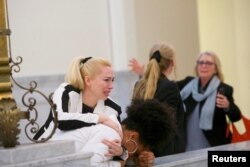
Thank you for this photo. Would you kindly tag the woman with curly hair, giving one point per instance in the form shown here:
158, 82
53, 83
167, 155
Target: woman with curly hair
149, 125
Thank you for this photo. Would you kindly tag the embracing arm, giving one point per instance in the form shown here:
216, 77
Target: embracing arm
66, 98
182, 83
145, 159
69, 108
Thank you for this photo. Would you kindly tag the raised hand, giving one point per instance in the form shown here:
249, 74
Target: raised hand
136, 66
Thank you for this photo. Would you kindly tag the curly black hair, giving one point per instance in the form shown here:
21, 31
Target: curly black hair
154, 121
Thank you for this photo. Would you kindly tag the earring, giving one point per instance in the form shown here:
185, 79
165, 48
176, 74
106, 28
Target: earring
135, 144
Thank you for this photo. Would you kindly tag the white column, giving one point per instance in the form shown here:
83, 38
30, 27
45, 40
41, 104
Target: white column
122, 32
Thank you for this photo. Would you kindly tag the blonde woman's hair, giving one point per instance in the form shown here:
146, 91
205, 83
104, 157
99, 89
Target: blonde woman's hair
81, 67
146, 87
217, 63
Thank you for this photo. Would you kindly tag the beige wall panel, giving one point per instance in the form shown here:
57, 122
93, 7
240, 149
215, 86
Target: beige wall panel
48, 33
171, 21
224, 28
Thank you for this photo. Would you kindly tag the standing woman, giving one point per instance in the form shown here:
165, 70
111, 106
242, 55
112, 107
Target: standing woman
154, 84
208, 101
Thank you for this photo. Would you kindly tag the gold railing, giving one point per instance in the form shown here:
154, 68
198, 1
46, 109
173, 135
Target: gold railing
10, 114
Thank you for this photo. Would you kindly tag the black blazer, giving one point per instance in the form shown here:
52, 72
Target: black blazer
216, 136
168, 92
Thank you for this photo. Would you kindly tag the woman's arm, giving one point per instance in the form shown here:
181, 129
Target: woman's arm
101, 141
69, 109
182, 83
145, 159
136, 66
225, 100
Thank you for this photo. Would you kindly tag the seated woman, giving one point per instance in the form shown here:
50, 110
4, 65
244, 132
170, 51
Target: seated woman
147, 126
83, 101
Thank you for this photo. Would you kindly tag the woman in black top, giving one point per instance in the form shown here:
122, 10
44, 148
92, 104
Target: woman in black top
154, 84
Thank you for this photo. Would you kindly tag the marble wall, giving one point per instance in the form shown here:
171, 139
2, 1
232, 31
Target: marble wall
50, 153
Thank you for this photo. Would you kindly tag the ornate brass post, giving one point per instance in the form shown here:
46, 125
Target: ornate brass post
9, 113
5, 85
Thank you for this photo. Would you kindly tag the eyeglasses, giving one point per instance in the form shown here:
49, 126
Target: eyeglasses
207, 63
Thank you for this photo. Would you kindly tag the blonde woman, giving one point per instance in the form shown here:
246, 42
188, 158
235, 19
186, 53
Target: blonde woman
208, 100
155, 84
83, 101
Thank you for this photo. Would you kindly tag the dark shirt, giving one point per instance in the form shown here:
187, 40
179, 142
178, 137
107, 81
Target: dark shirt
168, 92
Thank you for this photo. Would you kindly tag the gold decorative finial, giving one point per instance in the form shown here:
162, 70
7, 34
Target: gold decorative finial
9, 119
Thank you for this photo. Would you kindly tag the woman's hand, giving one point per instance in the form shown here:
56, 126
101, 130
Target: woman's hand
145, 159
123, 163
136, 66
222, 101
110, 123
114, 147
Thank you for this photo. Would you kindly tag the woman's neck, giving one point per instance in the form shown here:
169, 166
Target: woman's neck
204, 81
166, 73
88, 99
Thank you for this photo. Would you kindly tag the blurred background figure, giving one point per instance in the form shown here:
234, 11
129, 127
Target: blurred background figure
208, 102
155, 84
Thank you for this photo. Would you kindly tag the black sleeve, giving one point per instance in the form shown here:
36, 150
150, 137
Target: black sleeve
69, 124
233, 112
72, 124
169, 93
182, 83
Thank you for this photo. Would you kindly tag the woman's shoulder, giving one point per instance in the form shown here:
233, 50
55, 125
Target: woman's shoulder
167, 82
112, 104
182, 83
68, 87
226, 87
166, 87
188, 79
168, 92
66, 90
